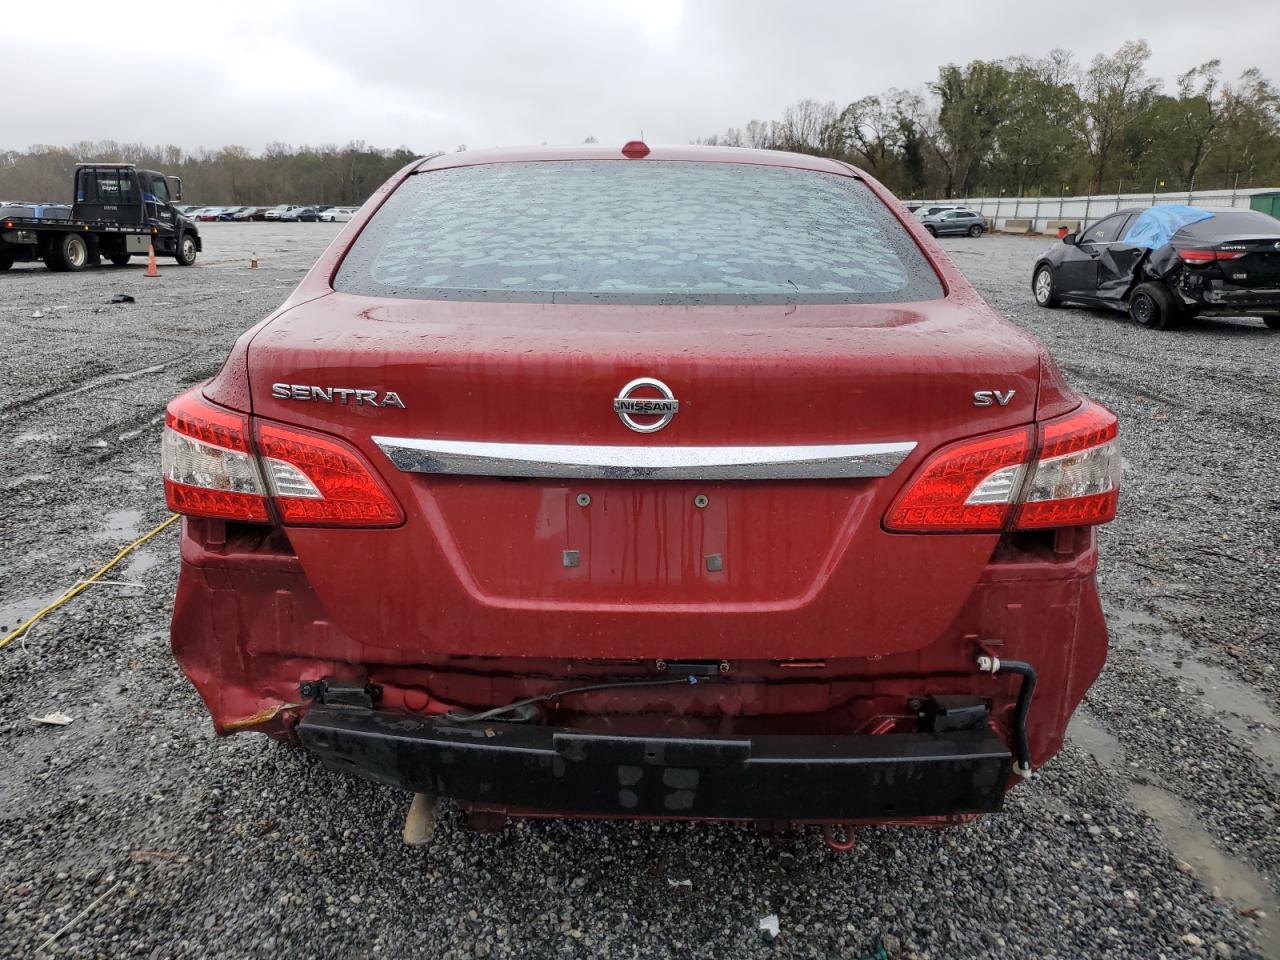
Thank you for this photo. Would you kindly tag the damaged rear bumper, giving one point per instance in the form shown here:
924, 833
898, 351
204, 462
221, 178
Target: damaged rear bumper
1228, 300
509, 766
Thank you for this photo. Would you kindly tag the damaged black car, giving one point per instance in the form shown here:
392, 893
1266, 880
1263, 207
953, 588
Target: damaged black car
1166, 264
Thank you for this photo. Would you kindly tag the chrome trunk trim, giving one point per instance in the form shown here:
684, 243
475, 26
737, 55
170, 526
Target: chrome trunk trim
592, 462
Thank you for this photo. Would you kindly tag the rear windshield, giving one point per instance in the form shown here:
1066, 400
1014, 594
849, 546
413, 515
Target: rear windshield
105, 185
1227, 223
621, 231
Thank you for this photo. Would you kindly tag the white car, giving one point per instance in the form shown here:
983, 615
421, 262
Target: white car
338, 214
285, 211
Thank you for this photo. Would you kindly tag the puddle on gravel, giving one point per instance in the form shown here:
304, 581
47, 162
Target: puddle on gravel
32, 436
22, 479
1235, 880
1123, 618
1236, 706
1231, 701
120, 525
17, 611
139, 563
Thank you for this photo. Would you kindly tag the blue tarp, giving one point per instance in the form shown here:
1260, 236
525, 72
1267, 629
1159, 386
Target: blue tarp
1155, 227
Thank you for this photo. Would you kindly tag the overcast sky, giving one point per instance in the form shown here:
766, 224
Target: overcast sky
489, 73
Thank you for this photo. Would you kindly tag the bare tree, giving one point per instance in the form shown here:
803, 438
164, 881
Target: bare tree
808, 126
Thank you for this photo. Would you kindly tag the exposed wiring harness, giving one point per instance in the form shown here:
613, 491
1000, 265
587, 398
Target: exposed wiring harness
591, 688
83, 585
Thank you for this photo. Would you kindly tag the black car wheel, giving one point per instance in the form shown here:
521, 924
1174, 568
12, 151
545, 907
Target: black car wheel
1042, 287
975, 230
6, 261
932, 232
186, 254
1152, 306
119, 259
1272, 322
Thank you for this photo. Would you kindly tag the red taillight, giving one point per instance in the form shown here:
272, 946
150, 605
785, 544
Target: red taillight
988, 485
211, 470
1209, 256
320, 481
968, 486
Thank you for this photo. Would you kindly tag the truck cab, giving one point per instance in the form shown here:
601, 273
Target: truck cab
122, 194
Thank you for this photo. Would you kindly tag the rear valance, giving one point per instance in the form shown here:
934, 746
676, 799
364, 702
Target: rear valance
601, 462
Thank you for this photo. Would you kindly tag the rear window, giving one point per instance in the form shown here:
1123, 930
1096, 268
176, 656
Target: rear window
1226, 223
105, 185
621, 231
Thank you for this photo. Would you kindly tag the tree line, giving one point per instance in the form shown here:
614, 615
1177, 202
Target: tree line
1039, 126
231, 176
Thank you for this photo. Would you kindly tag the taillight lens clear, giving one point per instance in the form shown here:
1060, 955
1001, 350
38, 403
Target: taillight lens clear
1077, 475
320, 481
210, 470
983, 485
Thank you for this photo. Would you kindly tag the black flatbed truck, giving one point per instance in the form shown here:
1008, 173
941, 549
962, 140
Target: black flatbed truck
119, 212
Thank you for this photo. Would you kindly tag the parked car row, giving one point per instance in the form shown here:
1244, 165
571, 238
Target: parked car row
285, 212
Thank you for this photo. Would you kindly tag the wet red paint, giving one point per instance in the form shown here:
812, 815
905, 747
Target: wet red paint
467, 604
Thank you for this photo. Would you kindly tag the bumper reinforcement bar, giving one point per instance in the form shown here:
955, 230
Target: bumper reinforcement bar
576, 772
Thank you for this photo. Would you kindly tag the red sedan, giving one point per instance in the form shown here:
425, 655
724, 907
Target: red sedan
683, 482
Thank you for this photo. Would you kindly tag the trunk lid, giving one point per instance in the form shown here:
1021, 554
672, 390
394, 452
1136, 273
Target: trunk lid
640, 567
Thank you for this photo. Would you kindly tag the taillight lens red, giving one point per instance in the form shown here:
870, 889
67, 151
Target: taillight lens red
982, 485
210, 470
320, 481
1209, 256
968, 486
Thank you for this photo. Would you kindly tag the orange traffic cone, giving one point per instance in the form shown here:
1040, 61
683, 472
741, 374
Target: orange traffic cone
151, 261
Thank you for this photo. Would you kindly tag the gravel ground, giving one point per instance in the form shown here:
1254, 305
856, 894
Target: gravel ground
1154, 834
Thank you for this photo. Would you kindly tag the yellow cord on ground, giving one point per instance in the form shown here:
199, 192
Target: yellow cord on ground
84, 584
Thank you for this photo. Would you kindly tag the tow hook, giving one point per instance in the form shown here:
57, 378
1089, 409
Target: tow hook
839, 844
988, 664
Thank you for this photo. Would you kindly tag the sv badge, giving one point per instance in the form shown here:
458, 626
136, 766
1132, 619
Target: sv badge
987, 398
